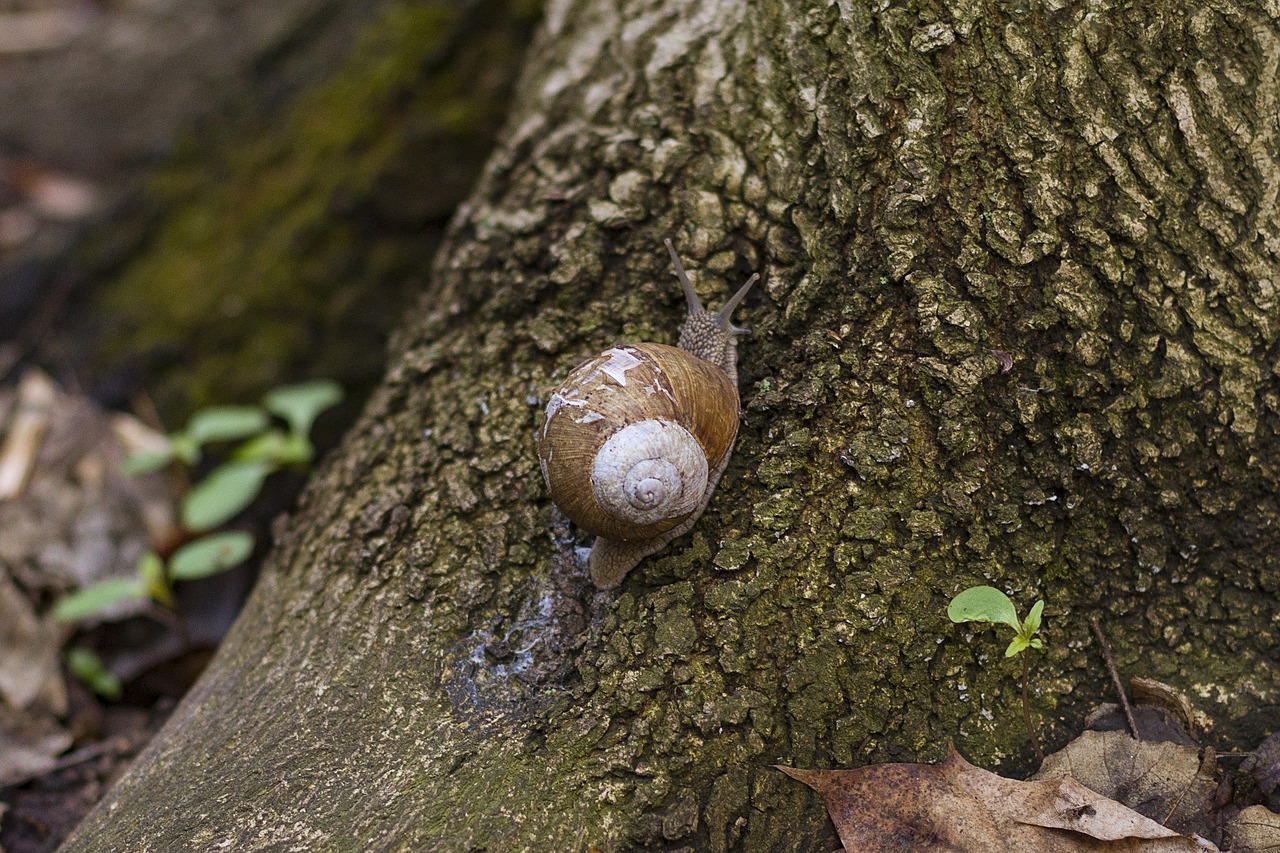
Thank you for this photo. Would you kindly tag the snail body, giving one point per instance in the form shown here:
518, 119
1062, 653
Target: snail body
636, 438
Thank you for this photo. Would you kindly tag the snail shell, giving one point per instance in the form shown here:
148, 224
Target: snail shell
632, 436
636, 438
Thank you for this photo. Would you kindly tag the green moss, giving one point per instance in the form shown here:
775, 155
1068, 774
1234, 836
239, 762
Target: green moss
273, 258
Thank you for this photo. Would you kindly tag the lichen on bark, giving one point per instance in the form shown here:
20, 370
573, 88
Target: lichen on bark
1017, 326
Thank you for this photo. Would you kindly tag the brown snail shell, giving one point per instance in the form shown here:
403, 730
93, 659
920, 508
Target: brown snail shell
631, 437
636, 439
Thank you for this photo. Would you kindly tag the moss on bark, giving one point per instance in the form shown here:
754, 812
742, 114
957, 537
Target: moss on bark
285, 243
1018, 326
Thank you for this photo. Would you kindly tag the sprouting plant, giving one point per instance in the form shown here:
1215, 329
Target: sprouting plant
988, 604
88, 669
220, 496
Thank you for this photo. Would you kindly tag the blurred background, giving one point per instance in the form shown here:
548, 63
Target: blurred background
212, 214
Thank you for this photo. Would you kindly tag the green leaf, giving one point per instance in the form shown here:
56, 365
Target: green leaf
983, 604
222, 495
185, 448
276, 446
1032, 625
151, 573
1037, 643
1018, 644
301, 404
224, 423
88, 668
146, 461
210, 555
95, 598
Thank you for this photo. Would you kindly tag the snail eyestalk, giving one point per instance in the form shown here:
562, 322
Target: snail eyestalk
725, 314
695, 306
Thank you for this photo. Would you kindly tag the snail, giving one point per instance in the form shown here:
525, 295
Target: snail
636, 438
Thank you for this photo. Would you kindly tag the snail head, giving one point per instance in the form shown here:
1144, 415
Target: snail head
705, 334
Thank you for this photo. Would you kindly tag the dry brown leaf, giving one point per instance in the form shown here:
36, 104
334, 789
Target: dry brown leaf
29, 666
79, 519
1255, 830
30, 743
1167, 782
959, 808
1148, 691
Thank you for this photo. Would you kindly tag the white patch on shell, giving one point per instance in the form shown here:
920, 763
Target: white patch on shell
618, 363
658, 388
649, 471
589, 418
558, 401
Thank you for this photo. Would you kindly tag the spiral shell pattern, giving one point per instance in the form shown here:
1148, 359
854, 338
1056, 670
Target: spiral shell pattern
630, 437
648, 471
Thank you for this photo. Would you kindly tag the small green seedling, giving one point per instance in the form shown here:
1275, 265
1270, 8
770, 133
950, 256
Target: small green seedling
988, 604
213, 501
88, 669
216, 423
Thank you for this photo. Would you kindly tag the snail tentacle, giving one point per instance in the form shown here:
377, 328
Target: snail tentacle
726, 313
691, 296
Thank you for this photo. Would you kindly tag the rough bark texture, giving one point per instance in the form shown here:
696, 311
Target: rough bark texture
1018, 325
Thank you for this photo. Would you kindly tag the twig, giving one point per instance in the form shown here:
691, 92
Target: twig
1115, 678
1026, 711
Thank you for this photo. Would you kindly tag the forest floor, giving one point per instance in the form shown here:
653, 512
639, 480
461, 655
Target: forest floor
93, 96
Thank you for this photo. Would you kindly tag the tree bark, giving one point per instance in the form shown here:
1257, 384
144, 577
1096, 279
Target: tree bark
1018, 326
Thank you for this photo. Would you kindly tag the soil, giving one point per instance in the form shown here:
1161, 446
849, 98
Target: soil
40, 813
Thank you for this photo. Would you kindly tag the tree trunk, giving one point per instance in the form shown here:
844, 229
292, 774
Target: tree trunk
286, 241
1018, 326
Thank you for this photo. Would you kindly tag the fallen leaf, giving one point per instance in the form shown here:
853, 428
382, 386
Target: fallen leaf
29, 645
1254, 830
1167, 782
30, 744
78, 519
22, 439
1148, 691
959, 808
